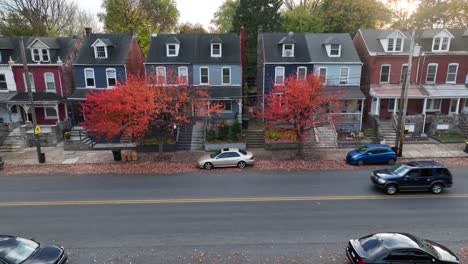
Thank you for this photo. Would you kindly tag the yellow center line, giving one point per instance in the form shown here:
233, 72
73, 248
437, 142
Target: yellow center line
231, 200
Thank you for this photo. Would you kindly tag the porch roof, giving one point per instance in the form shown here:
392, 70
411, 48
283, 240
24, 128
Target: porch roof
80, 94
6, 96
394, 91
447, 91
23, 97
345, 92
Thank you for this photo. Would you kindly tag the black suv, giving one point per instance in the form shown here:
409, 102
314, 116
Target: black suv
411, 176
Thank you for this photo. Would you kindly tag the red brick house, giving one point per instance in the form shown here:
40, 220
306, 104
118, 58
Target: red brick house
438, 91
50, 66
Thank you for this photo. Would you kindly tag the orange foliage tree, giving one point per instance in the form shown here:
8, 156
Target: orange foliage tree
298, 106
142, 104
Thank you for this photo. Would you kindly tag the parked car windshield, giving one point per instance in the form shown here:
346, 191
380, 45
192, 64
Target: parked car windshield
371, 245
215, 154
362, 149
399, 169
17, 250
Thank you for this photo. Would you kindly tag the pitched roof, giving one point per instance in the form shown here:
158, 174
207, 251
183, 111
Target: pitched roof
117, 50
40, 97
4, 97
423, 38
194, 48
58, 47
310, 47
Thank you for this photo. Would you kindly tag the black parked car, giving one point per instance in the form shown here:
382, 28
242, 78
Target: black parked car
415, 175
383, 248
1, 163
15, 250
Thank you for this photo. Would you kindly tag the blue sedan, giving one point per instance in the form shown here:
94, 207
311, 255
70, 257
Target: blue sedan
372, 154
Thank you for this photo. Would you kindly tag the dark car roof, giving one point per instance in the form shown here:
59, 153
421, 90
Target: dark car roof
425, 164
398, 240
377, 146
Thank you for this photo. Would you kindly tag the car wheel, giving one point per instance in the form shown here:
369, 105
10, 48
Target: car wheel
241, 164
391, 189
391, 162
360, 162
208, 166
437, 188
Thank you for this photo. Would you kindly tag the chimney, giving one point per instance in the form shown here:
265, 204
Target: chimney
88, 31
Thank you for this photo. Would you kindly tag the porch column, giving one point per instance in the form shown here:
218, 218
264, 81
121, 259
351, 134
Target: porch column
377, 109
66, 110
362, 114
458, 106
26, 111
57, 111
239, 116
424, 114
395, 106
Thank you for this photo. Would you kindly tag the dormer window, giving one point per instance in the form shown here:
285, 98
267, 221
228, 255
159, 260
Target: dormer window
288, 50
40, 55
335, 50
100, 49
216, 50
441, 44
395, 45
172, 50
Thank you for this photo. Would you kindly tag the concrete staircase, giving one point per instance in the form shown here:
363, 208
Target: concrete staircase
79, 139
387, 131
255, 138
198, 134
11, 141
184, 141
464, 129
326, 137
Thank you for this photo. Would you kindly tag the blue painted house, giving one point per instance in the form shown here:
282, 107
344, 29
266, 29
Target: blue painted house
103, 61
204, 60
329, 55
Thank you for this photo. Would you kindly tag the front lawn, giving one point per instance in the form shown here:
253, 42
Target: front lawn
450, 137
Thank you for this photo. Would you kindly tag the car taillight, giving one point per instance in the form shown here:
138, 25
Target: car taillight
451, 180
360, 261
252, 157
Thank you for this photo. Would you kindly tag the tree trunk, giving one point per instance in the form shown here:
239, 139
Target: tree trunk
300, 149
160, 147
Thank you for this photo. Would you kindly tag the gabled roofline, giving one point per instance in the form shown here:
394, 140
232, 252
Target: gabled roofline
397, 30
34, 41
365, 44
448, 32
93, 45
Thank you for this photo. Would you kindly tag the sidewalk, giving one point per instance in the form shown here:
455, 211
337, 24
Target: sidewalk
56, 155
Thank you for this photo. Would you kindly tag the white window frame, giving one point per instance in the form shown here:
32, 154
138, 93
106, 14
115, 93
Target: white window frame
441, 41
218, 102
393, 46
456, 73
176, 50
326, 74
401, 74
5, 82
86, 78
222, 75
33, 85
109, 70
47, 54
335, 55
291, 49
389, 71
347, 76
397, 102
208, 74
45, 82
435, 74
180, 75
163, 69
298, 71
50, 117
41, 58
281, 68
220, 50
430, 105
96, 51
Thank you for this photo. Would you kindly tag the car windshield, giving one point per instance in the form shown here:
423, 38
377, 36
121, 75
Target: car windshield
371, 245
362, 149
17, 250
399, 169
215, 154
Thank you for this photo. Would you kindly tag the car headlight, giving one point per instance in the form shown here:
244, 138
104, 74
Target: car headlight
355, 156
381, 181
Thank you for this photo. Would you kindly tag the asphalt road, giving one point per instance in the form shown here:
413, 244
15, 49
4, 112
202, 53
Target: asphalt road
225, 217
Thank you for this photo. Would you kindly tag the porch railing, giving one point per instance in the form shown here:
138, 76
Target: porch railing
348, 117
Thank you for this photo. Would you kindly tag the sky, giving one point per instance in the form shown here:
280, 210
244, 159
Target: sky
193, 11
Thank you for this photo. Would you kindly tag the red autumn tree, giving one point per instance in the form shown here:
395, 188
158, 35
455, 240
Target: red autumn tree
142, 104
298, 106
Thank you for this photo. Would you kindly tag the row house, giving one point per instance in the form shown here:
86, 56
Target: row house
50, 70
331, 56
211, 61
103, 61
438, 90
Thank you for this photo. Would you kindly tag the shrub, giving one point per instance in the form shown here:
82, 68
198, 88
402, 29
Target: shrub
223, 132
211, 134
235, 131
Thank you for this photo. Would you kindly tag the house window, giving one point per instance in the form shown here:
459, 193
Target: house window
31, 79
204, 75
226, 75
49, 81
216, 50
288, 50
50, 113
172, 50
440, 44
111, 75
431, 73
344, 72
183, 74
335, 50
3, 83
398, 44
226, 105
391, 104
433, 104
89, 77
279, 75
161, 75
45, 55
404, 72
452, 73
323, 74
385, 74
301, 73
100, 52
391, 42
394, 44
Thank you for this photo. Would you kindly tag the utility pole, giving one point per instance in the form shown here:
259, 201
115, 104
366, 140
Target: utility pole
31, 100
403, 107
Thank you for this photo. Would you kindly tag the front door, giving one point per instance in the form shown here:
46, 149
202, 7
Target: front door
453, 106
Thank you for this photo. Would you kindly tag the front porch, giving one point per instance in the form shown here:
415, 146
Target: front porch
348, 116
